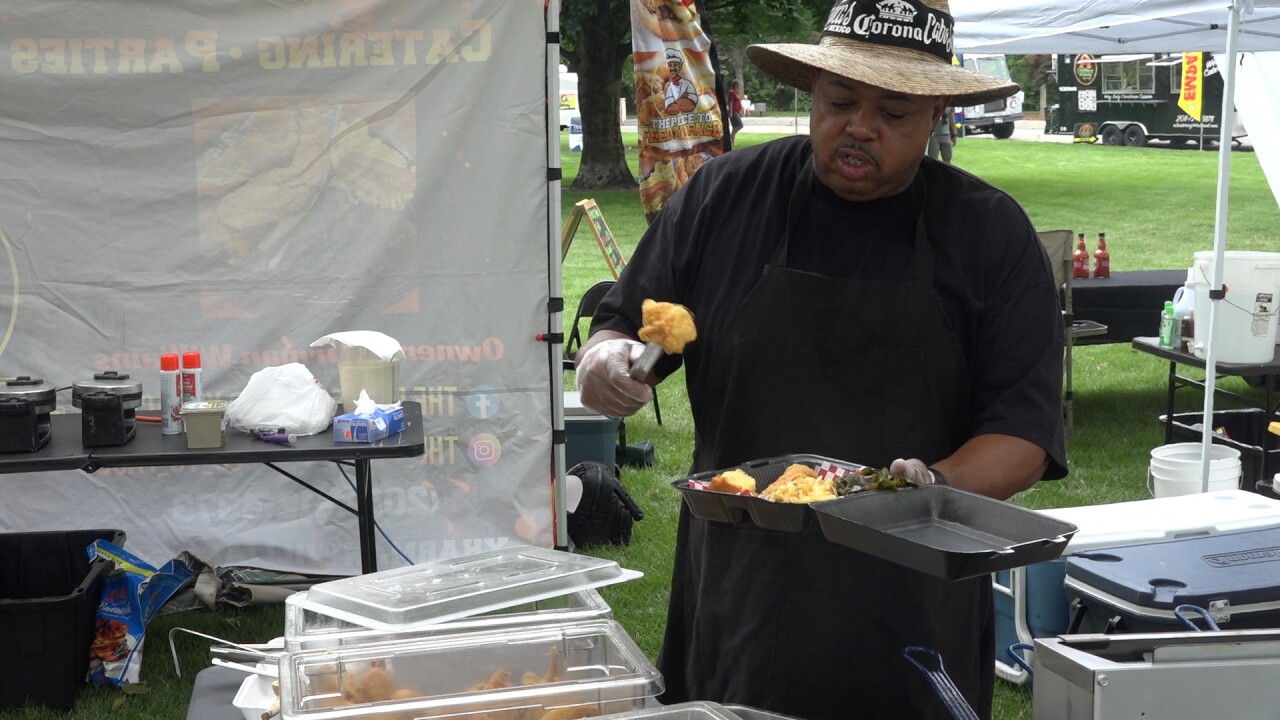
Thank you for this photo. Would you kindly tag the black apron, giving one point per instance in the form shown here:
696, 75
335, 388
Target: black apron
865, 371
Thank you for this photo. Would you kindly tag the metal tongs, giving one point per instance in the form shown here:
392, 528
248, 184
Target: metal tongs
929, 662
271, 651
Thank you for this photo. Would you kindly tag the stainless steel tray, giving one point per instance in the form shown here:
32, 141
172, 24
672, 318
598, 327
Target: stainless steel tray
942, 531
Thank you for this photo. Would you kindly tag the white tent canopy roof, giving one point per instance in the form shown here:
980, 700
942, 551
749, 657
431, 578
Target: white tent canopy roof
1024, 27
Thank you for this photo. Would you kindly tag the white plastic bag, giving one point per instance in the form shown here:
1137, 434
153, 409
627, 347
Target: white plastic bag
283, 396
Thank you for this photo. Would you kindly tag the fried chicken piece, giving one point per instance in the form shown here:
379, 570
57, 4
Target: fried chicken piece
499, 679
373, 685
667, 324
736, 482
799, 484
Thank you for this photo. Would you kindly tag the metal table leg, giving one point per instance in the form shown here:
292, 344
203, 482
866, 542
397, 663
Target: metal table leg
364, 515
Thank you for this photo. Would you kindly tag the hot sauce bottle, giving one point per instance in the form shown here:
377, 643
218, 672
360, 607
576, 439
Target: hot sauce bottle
1102, 258
1080, 260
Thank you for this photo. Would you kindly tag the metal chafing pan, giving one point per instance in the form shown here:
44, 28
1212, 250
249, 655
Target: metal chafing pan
942, 531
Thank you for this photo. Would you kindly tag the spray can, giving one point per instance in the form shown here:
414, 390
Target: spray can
170, 395
192, 383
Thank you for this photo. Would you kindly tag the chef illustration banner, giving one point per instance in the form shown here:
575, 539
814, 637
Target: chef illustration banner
240, 178
679, 118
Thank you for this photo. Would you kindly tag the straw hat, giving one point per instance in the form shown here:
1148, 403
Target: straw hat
899, 45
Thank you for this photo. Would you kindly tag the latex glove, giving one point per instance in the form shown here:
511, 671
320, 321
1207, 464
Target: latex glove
912, 469
604, 378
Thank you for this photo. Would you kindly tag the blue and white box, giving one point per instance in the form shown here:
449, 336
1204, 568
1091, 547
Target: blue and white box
367, 428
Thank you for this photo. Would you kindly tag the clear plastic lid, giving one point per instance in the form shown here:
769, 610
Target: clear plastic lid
592, 667
692, 710
306, 629
436, 592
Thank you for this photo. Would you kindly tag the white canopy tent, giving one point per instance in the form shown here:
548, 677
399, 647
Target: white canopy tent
1228, 27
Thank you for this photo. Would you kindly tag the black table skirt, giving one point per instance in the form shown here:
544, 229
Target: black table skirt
1128, 302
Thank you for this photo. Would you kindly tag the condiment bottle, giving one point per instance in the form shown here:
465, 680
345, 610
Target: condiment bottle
1080, 260
1167, 326
1102, 258
170, 395
1184, 306
192, 383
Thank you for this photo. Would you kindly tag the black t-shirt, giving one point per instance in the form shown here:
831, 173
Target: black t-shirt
709, 245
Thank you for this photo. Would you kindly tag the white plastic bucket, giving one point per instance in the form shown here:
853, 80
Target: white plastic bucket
1247, 316
1175, 469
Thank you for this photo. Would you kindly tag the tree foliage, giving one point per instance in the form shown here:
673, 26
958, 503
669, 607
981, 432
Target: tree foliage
1031, 72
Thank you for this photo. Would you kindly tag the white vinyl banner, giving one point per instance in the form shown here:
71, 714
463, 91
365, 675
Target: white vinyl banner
242, 177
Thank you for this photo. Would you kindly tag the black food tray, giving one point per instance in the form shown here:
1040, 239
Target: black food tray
730, 508
944, 532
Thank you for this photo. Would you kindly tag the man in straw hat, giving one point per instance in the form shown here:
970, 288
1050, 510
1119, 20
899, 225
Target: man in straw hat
856, 301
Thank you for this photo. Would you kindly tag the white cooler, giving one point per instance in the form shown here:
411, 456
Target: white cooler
1030, 602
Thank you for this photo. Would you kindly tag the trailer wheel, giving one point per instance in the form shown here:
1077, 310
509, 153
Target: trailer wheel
1111, 135
1003, 131
1135, 136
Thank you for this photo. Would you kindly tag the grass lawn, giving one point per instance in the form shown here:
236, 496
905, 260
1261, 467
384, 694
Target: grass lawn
1157, 208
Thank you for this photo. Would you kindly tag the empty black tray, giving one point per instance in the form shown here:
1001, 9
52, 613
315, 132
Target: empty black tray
730, 508
942, 531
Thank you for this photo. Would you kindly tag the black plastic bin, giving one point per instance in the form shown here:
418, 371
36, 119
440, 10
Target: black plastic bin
49, 593
1246, 431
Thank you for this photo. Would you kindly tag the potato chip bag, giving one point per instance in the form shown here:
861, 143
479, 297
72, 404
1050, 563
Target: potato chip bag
130, 598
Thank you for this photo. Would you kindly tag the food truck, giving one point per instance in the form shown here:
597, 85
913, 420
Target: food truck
998, 116
568, 98
1130, 99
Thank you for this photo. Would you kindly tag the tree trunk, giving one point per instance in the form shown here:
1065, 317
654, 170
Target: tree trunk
600, 54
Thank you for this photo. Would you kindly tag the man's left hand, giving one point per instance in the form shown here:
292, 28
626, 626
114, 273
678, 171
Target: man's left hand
912, 469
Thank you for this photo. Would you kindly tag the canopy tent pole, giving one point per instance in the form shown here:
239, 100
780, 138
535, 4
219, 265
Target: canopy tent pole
555, 278
1216, 293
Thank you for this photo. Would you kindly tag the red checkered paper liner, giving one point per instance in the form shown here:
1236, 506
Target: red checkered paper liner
832, 471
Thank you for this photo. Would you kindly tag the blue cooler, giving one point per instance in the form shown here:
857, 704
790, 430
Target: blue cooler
1031, 602
588, 436
1137, 589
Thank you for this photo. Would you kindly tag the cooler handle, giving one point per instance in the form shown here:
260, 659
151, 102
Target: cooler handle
1208, 619
1015, 653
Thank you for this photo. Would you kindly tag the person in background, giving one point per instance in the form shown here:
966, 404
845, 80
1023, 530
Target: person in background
735, 111
943, 139
855, 302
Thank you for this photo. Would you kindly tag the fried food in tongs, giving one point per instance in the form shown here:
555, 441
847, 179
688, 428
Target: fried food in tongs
668, 327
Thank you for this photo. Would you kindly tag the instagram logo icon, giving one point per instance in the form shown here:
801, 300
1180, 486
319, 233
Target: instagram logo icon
484, 450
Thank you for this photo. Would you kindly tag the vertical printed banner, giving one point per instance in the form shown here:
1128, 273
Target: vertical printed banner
679, 117
240, 178
1191, 99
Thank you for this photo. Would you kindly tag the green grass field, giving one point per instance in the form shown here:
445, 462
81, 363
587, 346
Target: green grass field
1157, 208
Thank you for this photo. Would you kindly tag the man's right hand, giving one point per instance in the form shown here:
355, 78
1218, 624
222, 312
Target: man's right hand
603, 370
